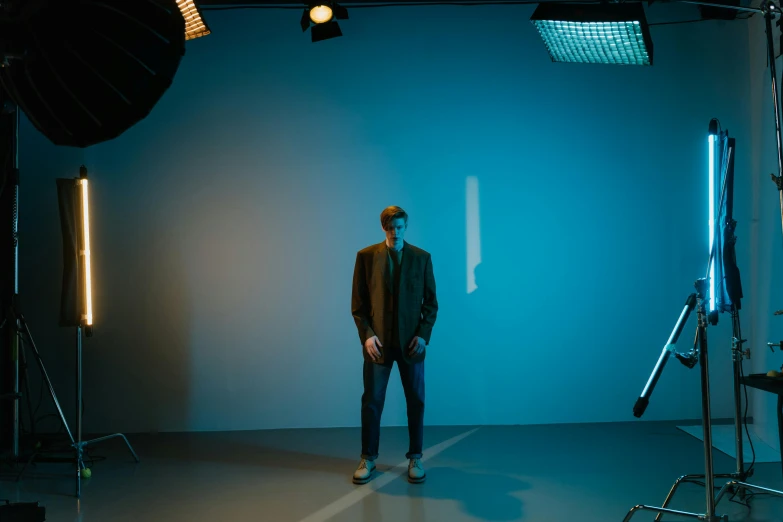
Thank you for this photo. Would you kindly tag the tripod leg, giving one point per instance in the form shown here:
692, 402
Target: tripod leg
29, 461
731, 486
45, 375
692, 479
116, 435
670, 496
675, 512
26, 377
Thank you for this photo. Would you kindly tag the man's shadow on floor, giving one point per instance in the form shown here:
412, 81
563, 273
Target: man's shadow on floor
486, 496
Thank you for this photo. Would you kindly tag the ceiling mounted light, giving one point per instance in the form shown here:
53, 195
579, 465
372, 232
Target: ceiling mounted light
323, 15
195, 26
593, 33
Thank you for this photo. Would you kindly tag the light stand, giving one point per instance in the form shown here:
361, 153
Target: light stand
12, 317
23, 334
16, 323
79, 445
768, 9
700, 349
700, 353
7, 313
76, 190
741, 474
85, 325
737, 352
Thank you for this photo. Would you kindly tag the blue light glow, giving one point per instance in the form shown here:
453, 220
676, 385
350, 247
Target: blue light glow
712, 219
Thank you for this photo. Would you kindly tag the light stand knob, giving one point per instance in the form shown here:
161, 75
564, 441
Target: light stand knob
737, 348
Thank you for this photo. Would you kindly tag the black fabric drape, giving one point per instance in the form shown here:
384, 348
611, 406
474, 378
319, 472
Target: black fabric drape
69, 198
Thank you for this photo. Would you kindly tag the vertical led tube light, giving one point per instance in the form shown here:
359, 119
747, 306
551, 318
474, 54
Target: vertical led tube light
713, 146
86, 252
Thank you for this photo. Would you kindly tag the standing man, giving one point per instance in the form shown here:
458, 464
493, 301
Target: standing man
394, 307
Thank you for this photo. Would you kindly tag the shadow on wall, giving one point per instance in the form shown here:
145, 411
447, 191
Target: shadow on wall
137, 364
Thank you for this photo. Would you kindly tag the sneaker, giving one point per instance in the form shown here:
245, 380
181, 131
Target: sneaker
416, 473
363, 473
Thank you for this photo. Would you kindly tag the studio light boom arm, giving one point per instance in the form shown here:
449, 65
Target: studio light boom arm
669, 348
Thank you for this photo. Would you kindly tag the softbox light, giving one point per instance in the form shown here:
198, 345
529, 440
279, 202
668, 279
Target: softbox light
85, 71
595, 33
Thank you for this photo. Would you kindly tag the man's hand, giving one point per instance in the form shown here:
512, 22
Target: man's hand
372, 346
416, 347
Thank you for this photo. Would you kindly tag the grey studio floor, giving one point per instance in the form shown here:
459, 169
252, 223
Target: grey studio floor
585, 472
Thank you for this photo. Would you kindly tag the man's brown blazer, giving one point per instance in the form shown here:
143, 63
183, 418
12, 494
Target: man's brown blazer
372, 297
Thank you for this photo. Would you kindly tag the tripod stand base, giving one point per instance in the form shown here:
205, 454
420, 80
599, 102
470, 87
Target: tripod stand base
729, 486
114, 436
80, 452
745, 485
692, 478
662, 510
79, 447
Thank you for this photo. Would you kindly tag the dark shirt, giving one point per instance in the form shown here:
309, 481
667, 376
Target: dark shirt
395, 262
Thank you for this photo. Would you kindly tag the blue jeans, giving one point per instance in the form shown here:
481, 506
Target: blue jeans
376, 379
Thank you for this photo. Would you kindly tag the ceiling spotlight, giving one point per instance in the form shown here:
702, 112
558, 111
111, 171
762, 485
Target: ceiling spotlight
323, 15
592, 33
195, 25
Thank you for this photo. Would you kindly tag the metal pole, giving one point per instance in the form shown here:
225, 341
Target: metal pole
79, 448
78, 385
14, 298
706, 413
738, 437
768, 16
